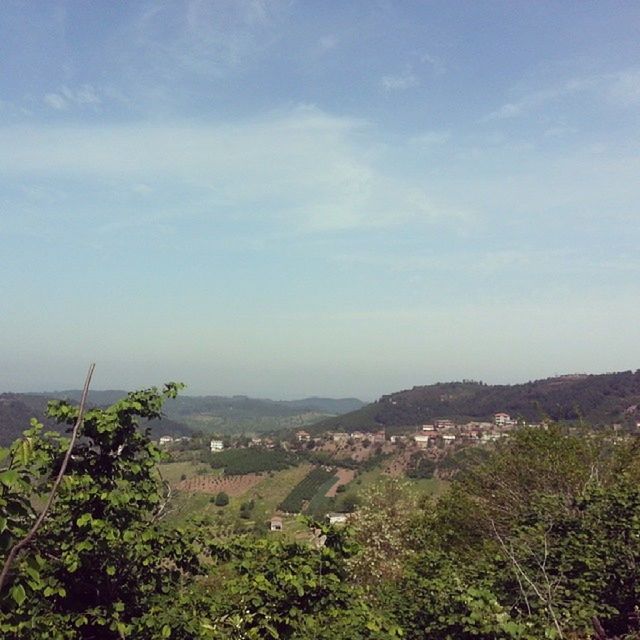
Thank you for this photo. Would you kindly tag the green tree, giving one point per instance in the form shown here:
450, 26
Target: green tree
222, 499
101, 557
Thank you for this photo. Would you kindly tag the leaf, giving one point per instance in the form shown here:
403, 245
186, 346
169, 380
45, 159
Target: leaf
85, 518
166, 631
9, 477
18, 594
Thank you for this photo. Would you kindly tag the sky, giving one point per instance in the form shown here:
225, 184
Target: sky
289, 198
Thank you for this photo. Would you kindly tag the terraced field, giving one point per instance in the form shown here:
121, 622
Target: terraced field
231, 485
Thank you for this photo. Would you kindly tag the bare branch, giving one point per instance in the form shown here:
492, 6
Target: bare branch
15, 550
519, 570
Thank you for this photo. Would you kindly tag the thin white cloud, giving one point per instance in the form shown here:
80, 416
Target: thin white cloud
328, 42
432, 138
436, 63
304, 169
625, 88
198, 37
55, 101
622, 88
65, 97
400, 82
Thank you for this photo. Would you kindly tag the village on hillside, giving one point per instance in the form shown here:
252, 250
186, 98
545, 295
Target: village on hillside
438, 434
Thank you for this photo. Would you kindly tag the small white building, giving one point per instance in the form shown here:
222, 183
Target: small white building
449, 438
428, 427
421, 440
166, 440
502, 419
303, 436
217, 445
337, 518
276, 523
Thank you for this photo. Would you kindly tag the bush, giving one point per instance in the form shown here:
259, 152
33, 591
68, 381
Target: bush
351, 503
222, 499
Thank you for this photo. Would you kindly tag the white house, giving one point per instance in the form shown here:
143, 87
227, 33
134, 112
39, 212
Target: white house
217, 445
502, 419
428, 427
421, 440
165, 440
337, 518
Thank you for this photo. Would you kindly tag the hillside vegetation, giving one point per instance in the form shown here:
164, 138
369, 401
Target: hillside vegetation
538, 537
183, 415
17, 409
594, 399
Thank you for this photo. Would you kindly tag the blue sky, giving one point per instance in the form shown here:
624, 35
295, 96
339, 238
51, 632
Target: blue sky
285, 198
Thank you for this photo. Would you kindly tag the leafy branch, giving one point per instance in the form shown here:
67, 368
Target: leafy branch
19, 546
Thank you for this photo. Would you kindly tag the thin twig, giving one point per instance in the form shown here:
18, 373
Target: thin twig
40, 519
547, 601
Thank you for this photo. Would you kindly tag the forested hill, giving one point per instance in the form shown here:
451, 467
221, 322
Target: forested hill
229, 406
215, 414
596, 399
17, 409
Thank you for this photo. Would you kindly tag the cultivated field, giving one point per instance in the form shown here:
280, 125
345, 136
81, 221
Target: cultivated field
231, 485
345, 476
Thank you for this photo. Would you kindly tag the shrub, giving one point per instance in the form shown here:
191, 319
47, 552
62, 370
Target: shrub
222, 499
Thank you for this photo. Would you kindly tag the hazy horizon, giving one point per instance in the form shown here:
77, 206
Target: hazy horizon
283, 199
187, 391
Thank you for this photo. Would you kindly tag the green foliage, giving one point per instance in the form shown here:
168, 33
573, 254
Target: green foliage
381, 525
420, 466
251, 460
278, 589
539, 537
306, 489
222, 499
320, 504
536, 541
99, 559
351, 502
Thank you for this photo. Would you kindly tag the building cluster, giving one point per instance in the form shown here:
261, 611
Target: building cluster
446, 432
440, 433
166, 441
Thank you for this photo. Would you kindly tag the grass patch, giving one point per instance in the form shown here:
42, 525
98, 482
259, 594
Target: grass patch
173, 472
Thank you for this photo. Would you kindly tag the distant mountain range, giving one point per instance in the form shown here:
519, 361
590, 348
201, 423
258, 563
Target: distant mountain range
594, 399
17, 409
184, 414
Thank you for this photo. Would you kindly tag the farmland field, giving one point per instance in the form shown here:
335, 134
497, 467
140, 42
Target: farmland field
306, 489
173, 472
254, 460
344, 477
231, 485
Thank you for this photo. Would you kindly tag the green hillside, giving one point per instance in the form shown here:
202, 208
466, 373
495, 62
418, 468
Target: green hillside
595, 399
